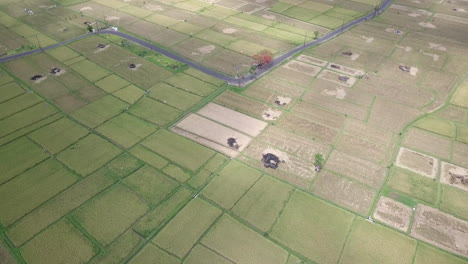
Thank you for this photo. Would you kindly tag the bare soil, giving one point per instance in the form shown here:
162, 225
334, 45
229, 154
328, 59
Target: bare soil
454, 175
417, 162
441, 230
393, 213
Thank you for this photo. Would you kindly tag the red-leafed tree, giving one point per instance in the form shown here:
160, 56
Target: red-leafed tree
264, 57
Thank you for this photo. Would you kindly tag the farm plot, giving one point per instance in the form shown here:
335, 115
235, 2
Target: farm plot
154, 111
225, 132
308, 128
173, 96
182, 151
248, 106
318, 240
369, 242
433, 144
454, 176
440, 229
393, 213
431, 255
417, 162
417, 186
342, 191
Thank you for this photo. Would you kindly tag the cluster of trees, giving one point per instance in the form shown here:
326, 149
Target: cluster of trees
264, 57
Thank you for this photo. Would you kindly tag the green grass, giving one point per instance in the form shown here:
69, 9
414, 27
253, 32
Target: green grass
111, 3
27, 191
462, 133
150, 253
201, 254
69, 2
204, 77
184, 230
245, 23
460, 97
313, 228
218, 12
112, 83
429, 255
231, 183
318, 7
285, 35
25, 118
215, 162
126, 245
262, 204
215, 37
18, 156
129, 94
191, 84
174, 97
9, 90
242, 245
162, 20
126, 130
154, 220
417, 186
193, 5
99, 111
176, 173
58, 206
110, 214
25, 31
150, 184
54, 246
328, 21
182, 151
454, 201
18, 104
280, 7
257, 19
155, 112
63, 53
373, 243
300, 13
89, 154
437, 125
186, 28
149, 157
248, 48
125, 164
90, 70
135, 11
57, 136
199, 179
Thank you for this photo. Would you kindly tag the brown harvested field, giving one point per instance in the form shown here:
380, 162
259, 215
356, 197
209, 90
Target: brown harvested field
91, 9
393, 213
417, 162
365, 149
312, 60
269, 82
409, 94
359, 58
368, 132
319, 115
334, 77
337, 105
459, 154
428, 142
354, 167
293, 144
195, 49
441, 230
144, 28
293, 169
366, 41
242, 104
349, 194
270, 97
233, 119
308, 128
229, 62
389, 115
454, 176
167, 37
332, 90
208, 130
292, 76
345, 70
302, 67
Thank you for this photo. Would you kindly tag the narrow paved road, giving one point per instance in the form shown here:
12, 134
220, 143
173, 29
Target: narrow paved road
231, 80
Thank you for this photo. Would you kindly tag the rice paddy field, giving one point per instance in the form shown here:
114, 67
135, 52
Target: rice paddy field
113, 153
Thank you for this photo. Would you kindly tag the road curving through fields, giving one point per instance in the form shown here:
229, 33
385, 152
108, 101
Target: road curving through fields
242, 81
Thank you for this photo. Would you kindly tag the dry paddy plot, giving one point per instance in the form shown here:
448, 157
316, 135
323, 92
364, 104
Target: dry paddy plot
337, 78
393, 213
417, 162
302, 67
312, 60
220, 128
440, 229
454, 176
